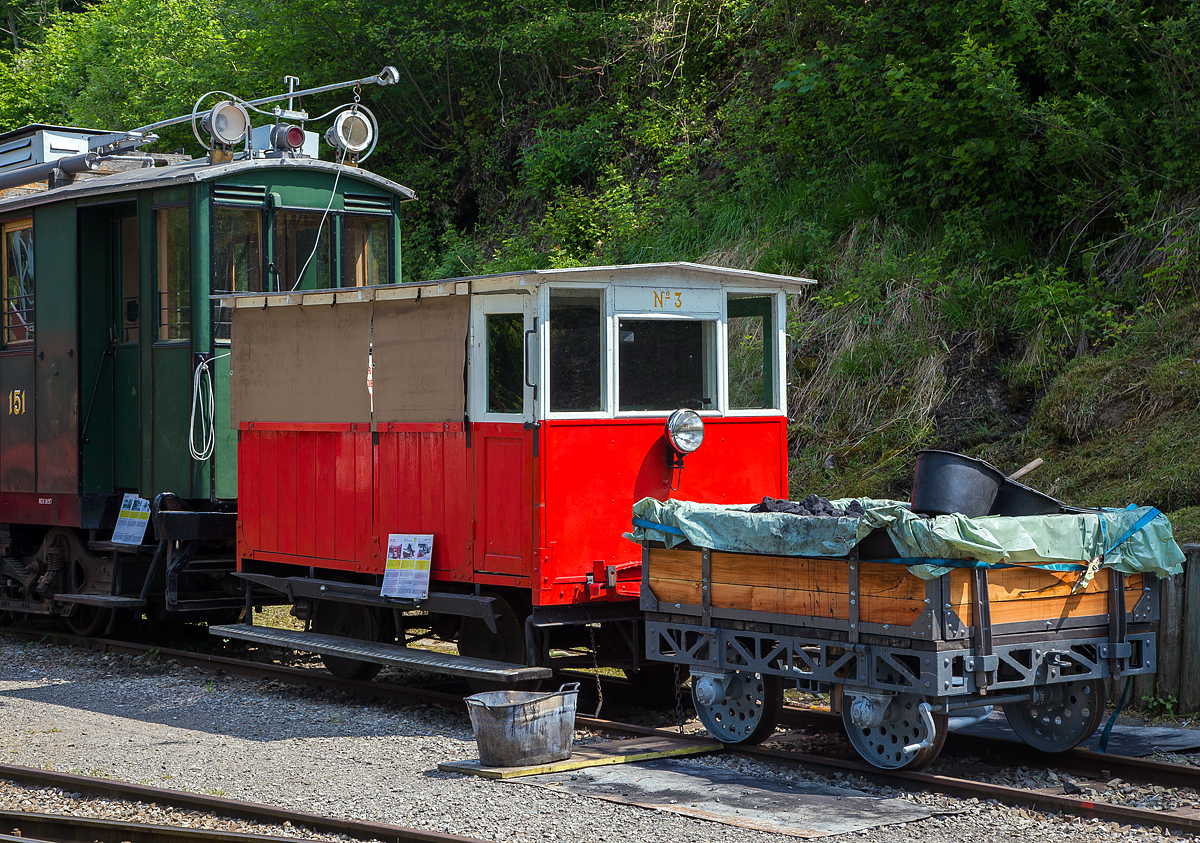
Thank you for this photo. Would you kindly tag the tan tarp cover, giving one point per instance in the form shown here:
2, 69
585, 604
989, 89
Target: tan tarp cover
301, 363
419, 353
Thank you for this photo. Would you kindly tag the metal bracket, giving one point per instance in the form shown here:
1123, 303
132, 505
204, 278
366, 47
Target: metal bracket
649, 602
706, 586
853, 608
1116, 618
981, 664
1147, 605
983, 626
1116, 651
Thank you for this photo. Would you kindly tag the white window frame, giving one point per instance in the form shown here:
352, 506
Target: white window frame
779, 309
607, 382
714, 351
483, 304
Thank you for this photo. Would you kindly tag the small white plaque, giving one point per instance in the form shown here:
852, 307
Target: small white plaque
131, 523
409, 559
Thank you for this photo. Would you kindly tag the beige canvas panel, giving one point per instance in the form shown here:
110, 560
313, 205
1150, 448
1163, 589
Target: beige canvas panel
300, 364
420, 348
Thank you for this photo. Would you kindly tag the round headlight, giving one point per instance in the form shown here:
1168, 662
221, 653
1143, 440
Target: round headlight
227, 122
685, 431
351, 131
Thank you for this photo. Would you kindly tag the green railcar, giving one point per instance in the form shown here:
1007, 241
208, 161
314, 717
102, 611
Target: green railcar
114, 360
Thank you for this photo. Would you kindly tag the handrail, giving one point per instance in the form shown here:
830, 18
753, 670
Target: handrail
91, 403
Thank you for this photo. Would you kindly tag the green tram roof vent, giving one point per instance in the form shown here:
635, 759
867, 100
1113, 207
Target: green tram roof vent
367, 202
240, 194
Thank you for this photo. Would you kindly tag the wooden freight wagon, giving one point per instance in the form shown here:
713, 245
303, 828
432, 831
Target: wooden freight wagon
899, 653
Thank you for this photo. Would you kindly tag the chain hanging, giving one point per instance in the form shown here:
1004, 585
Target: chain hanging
678, 701
596, 670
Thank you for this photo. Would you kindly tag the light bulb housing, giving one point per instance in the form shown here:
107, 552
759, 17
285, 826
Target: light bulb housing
351, 132
227, 123
685, 431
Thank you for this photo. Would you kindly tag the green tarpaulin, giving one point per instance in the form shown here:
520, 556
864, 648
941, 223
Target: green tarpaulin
994, 540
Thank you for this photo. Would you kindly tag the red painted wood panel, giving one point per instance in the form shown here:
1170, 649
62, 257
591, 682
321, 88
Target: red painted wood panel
268, 470
503, 499
423, 487
307, 493
595, 471
287, 455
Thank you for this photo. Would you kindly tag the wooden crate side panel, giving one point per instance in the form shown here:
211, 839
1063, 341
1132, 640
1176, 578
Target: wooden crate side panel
890, 594
1034, 594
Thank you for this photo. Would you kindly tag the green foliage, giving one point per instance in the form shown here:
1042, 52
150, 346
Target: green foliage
1006, 185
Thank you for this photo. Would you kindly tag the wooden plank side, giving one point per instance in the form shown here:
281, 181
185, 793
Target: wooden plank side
783, 572
1189, 682
890, 594
1170, 636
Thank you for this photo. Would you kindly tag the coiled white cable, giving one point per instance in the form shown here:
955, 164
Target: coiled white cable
202, 398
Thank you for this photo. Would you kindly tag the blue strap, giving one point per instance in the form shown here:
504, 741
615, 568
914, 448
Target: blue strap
662, 528
975, 563
1108, 728
1141, 522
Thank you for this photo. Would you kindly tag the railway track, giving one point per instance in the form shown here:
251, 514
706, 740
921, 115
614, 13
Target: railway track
1079, 763
56, 827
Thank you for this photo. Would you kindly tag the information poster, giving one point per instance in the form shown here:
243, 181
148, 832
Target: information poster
131, 523
409, 558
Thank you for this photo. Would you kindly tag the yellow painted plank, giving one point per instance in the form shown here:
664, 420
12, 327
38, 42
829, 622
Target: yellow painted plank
591, 755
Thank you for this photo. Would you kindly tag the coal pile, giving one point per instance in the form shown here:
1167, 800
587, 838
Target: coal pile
811, 505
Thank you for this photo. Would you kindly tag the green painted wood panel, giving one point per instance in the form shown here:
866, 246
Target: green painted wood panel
225, 455
172, 462
18, 451
96, 362
56, 366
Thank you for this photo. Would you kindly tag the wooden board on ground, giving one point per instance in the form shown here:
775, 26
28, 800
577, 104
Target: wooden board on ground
590, 755
780, 805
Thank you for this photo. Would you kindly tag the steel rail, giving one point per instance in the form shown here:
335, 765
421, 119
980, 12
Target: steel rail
56, 828
127, 791
1184, 820
1088, 763
1082, 762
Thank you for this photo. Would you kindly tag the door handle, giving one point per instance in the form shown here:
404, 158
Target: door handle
533, 331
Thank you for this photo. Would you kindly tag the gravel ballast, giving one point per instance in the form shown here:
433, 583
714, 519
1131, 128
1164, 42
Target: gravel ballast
164, 724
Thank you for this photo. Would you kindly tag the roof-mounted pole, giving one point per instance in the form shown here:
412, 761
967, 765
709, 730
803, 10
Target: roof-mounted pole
388, 76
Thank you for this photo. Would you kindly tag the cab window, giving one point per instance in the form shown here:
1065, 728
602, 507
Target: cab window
365, 251
505, 367
576, 350
303, 245
666, 364
750, 337
236, 259
18, 282
174, 273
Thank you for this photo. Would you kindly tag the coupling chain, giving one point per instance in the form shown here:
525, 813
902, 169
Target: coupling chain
596, 670
678, 701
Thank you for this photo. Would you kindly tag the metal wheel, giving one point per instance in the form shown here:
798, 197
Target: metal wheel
750, 711
1062, 717
349, 621
506, 644
87, 621
902, 726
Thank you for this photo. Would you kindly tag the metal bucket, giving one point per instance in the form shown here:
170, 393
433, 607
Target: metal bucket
944, 482
520, 728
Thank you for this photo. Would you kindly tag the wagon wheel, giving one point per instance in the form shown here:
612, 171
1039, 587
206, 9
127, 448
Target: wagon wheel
348, 620
902, 726
1062, 716
84, 575
506, 644
750, 711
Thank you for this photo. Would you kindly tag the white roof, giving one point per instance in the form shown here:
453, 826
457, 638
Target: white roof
679, 273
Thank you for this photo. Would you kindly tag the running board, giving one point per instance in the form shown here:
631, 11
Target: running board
370, 651
103, 601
